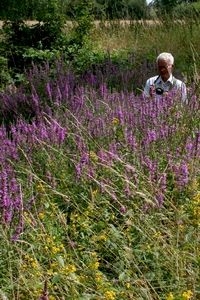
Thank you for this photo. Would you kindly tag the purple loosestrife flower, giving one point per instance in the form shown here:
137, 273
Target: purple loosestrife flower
84, 159
104, 91
164, 131
159, 199
19, 229
123, 209
189, 148
163, 182
91, 79
120, 115
82, 163
197, 144
36, 101
181, 173
78, 169
162, 186
113, 150
61, 135
43, 133
81, 146
8, 150
5, 201
96, 127
151, 167
131, 141
184, 172
132, 175
49, 90
151, 136
56, 133
10, 195
15, 193
78, 100
59, 97
127, 190
104, 157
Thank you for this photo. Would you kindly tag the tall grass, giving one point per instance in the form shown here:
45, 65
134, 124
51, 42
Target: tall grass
99, 192
149, 38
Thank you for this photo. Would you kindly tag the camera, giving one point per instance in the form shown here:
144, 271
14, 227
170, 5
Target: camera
159, 91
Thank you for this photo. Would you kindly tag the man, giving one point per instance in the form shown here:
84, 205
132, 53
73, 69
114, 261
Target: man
165, 82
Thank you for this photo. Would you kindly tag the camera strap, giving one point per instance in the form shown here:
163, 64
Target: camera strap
171, 85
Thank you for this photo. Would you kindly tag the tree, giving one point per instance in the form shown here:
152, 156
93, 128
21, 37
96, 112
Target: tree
137, 9
165, 6
122, 9
14, 10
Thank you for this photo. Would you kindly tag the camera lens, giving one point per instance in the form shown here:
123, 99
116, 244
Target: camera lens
159, 91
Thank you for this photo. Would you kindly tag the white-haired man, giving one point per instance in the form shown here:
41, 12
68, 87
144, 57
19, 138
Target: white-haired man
165, 82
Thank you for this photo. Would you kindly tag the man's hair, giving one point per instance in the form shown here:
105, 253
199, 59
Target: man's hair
168, 57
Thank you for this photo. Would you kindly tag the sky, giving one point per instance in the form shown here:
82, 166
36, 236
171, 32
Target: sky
148, 1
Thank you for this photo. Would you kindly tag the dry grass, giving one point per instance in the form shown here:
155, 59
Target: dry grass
105, 23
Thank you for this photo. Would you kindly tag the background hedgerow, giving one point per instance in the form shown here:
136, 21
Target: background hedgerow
99, 191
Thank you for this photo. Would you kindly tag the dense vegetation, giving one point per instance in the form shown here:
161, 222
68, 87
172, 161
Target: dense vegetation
99, 187
102, 9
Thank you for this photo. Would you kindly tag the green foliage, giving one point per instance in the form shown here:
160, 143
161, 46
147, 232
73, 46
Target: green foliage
20, 39
33, 9
83, 19
137, 9
5, 77
29, 9
177, 8
187, 11
85, 58
132, 9
13, 10
46, 39
23, 44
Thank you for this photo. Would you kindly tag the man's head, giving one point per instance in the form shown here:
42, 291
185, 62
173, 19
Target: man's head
165, 64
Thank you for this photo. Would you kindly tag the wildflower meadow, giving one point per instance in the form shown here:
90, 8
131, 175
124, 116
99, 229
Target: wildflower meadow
99, 189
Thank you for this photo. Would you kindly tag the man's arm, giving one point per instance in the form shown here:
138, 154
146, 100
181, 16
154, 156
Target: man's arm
184, 93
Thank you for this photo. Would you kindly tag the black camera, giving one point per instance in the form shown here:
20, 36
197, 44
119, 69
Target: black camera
159, 91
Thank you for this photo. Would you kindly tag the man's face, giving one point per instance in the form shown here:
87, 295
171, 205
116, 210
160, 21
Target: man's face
164, 69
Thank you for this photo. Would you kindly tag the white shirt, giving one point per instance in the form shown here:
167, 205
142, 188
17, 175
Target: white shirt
172, 84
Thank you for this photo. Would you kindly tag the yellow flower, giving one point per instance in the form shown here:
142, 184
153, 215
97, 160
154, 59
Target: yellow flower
50, 272
55, 250
70, 268
51, 297
94, 192
102, 237
187, 295
94, 254
115, 121
41, 215
194, 185
40, 188
109, 295
157, 234
93, 156
34, 264
98, 277
128, 285
170, 297
94, 265
196, 198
